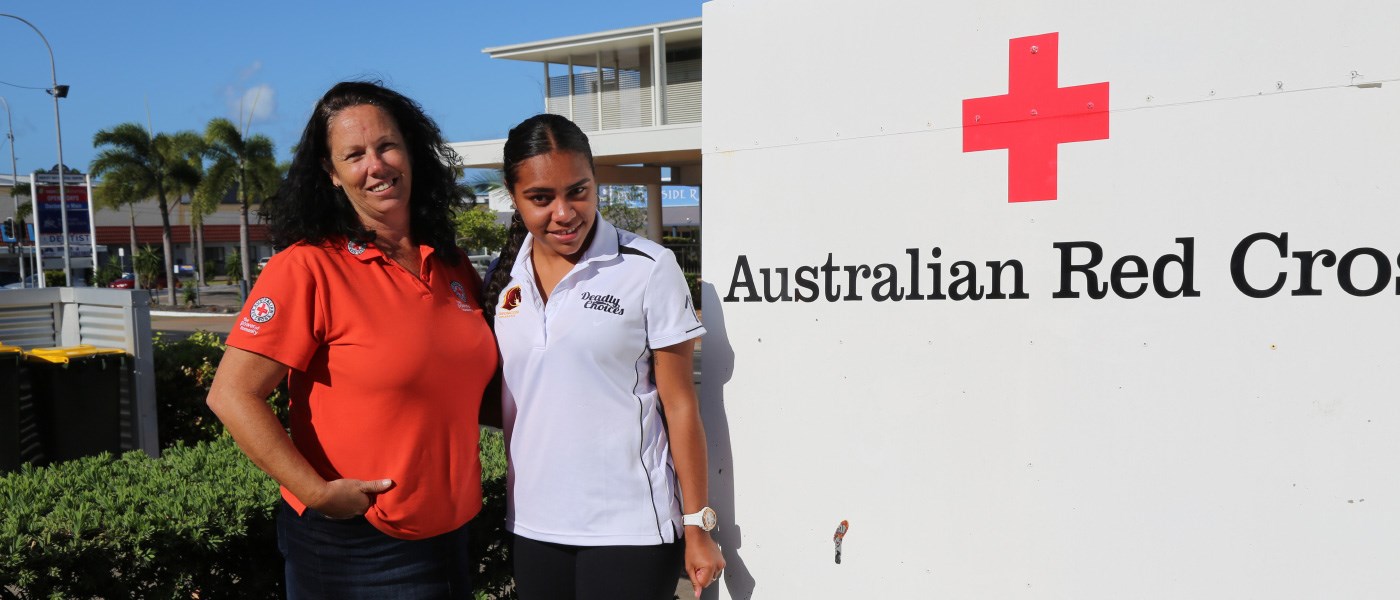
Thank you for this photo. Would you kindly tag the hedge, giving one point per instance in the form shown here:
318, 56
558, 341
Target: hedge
184, 370
198, 522
490, 542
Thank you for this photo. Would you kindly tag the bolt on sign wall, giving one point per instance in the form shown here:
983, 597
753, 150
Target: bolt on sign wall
1115, 314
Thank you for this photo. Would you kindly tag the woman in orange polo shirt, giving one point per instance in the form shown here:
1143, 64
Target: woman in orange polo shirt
374, 317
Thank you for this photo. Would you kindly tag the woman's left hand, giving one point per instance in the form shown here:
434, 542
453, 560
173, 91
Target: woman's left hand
703, 561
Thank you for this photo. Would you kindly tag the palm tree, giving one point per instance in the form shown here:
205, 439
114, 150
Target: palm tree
151, 164
481, 185
190, 147
115, 192
241, 161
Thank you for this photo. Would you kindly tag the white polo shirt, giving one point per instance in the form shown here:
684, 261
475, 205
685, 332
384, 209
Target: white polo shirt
590, 464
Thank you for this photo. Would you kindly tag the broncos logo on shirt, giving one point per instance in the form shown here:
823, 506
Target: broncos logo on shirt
511, 299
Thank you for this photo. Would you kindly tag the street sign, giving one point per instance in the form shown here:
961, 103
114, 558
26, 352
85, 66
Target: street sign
50, 217
680, 195
78, 179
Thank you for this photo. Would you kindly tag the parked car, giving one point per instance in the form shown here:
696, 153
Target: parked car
128, 281
482, 262
32, 281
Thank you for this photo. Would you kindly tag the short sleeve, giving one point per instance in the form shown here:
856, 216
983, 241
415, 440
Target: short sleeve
670, 312
282, 318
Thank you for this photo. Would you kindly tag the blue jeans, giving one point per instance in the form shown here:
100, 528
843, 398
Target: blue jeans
350, 559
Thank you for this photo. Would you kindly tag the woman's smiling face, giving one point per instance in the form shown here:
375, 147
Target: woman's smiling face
369, 161
557, 199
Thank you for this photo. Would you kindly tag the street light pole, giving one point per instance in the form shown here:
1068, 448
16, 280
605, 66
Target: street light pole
57, 91
14, 181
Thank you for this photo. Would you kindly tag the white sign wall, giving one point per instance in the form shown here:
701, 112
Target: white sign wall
1157, 359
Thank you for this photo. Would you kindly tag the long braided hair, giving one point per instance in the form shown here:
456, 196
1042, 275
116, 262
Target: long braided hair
537, 135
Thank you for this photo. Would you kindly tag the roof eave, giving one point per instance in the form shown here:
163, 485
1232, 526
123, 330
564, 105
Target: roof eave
533, 51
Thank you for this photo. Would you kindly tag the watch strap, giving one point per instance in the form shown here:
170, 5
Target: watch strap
698, 519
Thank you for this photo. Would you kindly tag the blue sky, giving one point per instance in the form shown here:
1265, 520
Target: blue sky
194, 60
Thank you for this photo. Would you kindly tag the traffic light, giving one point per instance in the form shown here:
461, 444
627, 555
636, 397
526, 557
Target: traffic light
7, 232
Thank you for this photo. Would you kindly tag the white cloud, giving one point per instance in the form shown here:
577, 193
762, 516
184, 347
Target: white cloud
247, 102
259, 102
255, 104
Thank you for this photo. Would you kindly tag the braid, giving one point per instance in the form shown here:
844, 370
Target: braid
534, 136
500, 276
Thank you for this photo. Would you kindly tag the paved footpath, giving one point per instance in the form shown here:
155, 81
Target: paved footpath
218, 303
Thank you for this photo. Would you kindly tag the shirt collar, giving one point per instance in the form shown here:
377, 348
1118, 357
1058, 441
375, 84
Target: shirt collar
367, 252
604, 242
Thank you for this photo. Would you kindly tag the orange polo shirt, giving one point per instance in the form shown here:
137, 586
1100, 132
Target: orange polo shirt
386, 375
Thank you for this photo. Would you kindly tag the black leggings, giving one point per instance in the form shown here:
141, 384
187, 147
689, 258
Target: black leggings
545, 571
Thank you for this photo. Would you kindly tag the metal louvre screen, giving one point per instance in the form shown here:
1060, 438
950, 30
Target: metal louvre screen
585, 100
582, 105
626, 99
102, 326
683, 92
615, 95
558, 100
28, 325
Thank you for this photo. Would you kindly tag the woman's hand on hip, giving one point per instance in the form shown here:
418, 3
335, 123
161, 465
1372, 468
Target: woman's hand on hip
703, 560
348, 498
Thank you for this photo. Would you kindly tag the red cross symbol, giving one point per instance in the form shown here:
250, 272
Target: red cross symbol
1035, 117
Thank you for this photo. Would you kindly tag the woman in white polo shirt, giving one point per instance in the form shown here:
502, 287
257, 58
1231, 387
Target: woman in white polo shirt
597, 332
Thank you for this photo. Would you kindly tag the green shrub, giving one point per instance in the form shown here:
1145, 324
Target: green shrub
490, 542
233, 267
199, 522
148, 263
183, 372
196, 523
108, 272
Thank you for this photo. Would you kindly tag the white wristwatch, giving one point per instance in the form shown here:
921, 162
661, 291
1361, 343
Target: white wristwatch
706, 519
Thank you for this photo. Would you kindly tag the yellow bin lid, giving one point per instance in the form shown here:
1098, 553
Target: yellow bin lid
67, 353
10, 349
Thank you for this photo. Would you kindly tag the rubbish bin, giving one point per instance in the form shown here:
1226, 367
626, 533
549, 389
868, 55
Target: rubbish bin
78, 394
19, 430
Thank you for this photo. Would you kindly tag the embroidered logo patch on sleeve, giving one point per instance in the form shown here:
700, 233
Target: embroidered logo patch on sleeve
262, 310
460, 291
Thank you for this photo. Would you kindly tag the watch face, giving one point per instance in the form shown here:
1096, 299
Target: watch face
709, 518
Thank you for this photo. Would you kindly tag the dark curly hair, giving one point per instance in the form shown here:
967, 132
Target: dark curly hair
540, 134
307, 207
